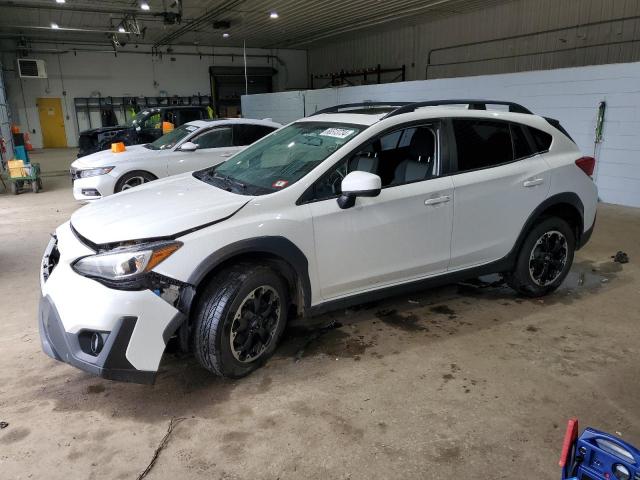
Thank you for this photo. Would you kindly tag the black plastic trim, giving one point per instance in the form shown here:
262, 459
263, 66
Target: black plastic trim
361, 106
111, 363
275, 245
585, 236
501, 265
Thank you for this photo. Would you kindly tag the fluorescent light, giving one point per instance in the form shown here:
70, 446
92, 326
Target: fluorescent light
60, 1
273, 15
54, 25
121, 29
225, 35
144, 5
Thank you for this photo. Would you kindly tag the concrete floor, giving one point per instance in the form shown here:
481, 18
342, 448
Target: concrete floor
457, 382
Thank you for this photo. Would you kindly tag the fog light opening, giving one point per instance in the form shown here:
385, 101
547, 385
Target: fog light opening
96, 343
90, 192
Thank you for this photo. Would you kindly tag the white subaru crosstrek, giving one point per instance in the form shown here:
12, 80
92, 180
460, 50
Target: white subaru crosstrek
342, 207
192, 146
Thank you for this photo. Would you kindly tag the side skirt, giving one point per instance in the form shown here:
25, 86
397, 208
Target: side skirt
503, 265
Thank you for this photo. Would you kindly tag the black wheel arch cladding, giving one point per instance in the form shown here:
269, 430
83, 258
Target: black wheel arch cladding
279, 251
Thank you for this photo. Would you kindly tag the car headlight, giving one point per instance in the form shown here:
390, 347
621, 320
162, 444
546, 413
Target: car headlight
125, 265
94, 172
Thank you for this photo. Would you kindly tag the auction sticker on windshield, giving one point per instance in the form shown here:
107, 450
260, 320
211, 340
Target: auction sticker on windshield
337, 132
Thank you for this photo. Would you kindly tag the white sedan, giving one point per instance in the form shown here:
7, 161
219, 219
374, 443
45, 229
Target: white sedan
192, 146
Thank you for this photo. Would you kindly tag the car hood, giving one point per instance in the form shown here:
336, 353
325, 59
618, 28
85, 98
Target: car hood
107, 158
161, 208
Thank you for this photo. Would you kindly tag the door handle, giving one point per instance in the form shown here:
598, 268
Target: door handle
533, 182
437, 200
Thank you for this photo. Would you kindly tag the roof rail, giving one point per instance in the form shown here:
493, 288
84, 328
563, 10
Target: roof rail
473, 105
360, 106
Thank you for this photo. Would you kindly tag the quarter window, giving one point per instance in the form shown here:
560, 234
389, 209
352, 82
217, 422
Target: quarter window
482, 143
542, 140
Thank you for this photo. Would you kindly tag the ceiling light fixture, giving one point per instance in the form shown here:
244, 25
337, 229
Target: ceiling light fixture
60, 1
144, 5
225, 35
54, 25
274, 15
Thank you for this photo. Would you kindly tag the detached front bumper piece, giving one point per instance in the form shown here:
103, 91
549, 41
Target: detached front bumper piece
109, 360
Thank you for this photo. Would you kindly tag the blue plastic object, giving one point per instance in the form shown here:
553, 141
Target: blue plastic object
21, 154
601, 456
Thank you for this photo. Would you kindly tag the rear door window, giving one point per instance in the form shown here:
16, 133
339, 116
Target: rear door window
482, 143
521, 146
216, 138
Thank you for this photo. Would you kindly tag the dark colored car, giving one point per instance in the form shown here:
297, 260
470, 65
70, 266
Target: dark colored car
145, 127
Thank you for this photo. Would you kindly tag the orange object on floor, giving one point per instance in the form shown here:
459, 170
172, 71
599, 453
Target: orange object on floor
118, 147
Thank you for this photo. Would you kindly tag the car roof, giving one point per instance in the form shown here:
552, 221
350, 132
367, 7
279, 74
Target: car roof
231, 121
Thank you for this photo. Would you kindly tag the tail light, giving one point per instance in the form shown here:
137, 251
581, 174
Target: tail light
587, 165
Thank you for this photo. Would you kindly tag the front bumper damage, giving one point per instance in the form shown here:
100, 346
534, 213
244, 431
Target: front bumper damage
130, 328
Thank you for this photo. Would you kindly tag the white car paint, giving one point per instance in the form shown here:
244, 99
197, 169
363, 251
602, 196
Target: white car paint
409, 232
160, 163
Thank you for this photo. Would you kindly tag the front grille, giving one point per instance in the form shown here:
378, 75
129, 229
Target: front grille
50, 260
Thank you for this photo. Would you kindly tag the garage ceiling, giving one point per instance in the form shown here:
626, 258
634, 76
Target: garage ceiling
300, 23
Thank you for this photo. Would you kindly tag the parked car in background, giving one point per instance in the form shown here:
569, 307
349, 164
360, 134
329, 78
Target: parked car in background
148, 125
193, 146
347, 206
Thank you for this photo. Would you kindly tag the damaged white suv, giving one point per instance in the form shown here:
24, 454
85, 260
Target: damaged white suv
346, 206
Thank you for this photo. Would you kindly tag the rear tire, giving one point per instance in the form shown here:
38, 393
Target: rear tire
544, 259
229, 338
133, 179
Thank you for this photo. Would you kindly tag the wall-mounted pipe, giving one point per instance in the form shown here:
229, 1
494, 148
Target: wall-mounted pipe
525, 35
57, 51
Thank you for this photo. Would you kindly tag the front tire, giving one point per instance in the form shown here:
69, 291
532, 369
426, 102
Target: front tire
133, 179
544, 259
239, 320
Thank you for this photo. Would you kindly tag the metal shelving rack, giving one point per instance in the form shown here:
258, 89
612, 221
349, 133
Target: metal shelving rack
124, 105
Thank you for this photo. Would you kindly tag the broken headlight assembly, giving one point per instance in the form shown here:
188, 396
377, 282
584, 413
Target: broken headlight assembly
128, 268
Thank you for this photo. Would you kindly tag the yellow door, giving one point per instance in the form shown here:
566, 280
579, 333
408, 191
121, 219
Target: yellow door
52, 123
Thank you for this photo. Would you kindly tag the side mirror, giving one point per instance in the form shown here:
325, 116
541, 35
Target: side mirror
358, 184
188, 147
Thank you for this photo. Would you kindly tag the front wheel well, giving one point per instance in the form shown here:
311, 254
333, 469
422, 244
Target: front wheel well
275, 262
130, 173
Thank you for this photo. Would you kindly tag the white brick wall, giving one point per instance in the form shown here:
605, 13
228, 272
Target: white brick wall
570, 95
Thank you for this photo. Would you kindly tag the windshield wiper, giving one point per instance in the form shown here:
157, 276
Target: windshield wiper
229, 180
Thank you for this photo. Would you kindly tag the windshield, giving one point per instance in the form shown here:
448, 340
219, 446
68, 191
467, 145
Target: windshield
280, 159
170, 139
